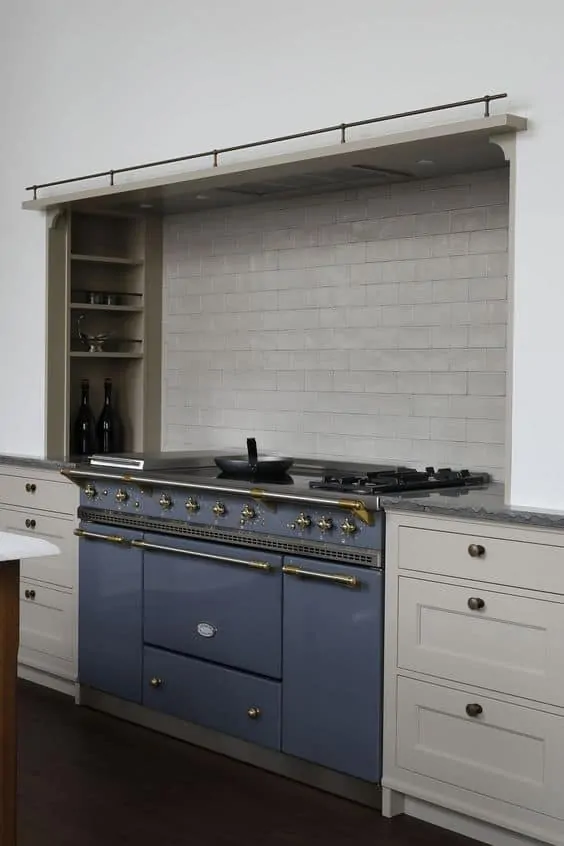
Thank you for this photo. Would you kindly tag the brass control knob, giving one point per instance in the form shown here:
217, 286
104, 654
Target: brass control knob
121, 495
253, 713
219, 509
90, 490
325, 524
156, 682
476, 550
192, 505
165, 502
348, 527
303, 521
247, 513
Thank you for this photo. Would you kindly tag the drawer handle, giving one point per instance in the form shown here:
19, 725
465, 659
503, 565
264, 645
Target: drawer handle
156, 682
29, 594
253, 713
30, 487
30, 524
223, 559
476, 603
346, 581
81, 533
473, 709
476, 550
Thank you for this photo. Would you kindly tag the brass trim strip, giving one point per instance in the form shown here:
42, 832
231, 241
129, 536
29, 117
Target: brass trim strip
223, 559
346, 581
81, 533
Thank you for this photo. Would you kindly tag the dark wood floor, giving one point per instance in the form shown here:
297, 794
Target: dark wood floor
87, 779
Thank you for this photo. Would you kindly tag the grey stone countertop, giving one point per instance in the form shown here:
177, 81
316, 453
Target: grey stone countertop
36, 463
481, 503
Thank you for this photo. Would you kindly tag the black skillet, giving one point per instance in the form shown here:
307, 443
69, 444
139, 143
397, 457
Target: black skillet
254, 465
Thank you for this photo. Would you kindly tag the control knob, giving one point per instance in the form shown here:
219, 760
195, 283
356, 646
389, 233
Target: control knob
219, 509
90, 490
303, 521
192, 505
325, 524
247, 513
121, 495
348, 527
165, 502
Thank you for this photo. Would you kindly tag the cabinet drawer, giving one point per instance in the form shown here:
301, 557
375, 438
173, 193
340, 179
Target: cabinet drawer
55, 569
210, 601
511, 644
515, 563
47, 630
507, 752
43, 494
215, 697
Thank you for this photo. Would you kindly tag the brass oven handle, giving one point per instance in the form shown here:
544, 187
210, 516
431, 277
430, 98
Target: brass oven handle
223, 559
81, 533
346, 581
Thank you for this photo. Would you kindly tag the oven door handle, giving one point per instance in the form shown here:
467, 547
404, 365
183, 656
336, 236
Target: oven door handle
338, 578
222, 559
82, 533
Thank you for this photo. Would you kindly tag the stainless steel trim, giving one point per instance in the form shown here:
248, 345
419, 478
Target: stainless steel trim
355, 505
81, 533
346, 581
223, 559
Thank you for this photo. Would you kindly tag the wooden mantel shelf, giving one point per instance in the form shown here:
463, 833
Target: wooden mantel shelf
452, 147
13, 548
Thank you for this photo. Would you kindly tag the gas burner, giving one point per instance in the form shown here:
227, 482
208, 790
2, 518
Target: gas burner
399, 479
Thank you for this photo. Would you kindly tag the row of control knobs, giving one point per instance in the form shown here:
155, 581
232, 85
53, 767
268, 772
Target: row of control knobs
302, 521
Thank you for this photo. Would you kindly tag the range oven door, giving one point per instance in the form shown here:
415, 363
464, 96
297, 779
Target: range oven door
110, 634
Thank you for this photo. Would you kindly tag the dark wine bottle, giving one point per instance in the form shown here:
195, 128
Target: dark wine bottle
108, 427
84, 429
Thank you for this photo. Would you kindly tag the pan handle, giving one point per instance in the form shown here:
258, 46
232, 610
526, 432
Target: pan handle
253, 454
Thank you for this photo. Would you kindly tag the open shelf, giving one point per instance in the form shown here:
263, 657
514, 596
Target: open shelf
106, 355
102, 307
106, 259
93, 258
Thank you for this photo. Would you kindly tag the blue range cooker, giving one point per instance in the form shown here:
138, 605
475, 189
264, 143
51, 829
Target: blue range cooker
251, 609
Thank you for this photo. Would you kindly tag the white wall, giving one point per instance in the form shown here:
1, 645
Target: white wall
366, 324
96, 85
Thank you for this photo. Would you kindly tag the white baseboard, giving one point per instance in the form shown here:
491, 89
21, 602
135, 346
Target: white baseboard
46, 680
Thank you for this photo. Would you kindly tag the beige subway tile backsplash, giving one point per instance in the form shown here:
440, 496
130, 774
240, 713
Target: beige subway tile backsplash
368, 324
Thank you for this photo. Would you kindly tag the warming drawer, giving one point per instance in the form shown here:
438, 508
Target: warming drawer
215, 697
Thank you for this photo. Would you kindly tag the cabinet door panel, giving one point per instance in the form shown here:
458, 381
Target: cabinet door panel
332, 666
56, 569
110, 614
47, 633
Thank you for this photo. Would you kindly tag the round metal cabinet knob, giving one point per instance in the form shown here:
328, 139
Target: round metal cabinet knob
29, 594
476, 550
30, 487
156, 682
30, 524
476, 603
253, 713
473, 709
